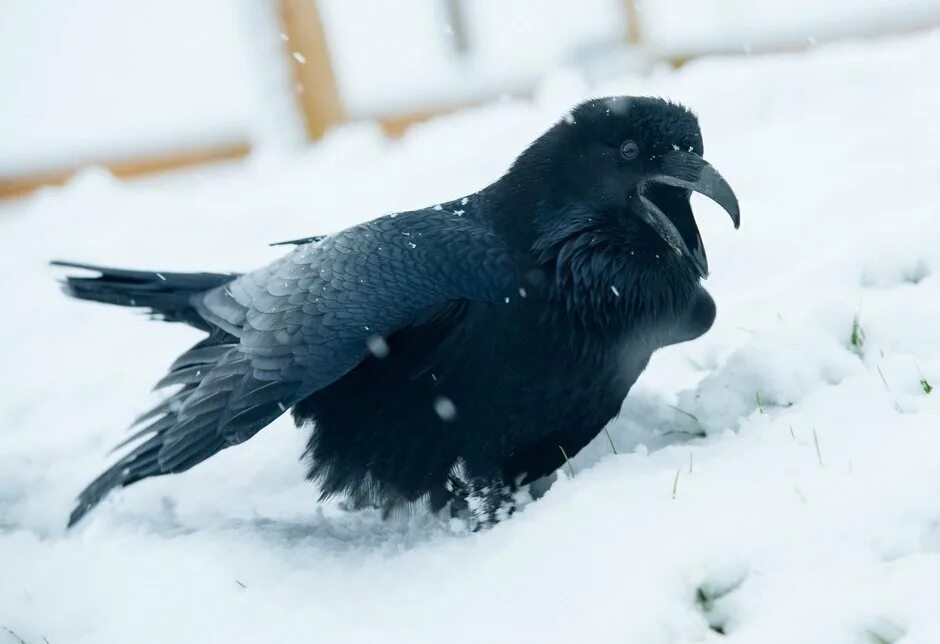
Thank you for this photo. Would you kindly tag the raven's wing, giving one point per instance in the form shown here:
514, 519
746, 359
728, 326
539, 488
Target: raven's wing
309, 317
302, 322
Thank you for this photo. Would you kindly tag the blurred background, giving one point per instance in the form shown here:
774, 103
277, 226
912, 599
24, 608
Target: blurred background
143, 87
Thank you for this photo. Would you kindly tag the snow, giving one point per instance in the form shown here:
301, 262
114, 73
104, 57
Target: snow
771, 479
445, 408
402, 57
96, 82
679, 26
109, 79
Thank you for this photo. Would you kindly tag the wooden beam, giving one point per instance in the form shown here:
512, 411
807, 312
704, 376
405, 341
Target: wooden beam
18, 186
314, 81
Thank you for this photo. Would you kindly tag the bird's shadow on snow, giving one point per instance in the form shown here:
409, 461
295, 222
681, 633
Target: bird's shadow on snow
343, 531
327, 528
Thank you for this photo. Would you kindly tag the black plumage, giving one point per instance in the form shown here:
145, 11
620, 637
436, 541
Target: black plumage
453, 353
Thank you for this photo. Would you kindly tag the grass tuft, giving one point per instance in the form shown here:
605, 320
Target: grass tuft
884, 631
877, 638
883, 379
685, 413
567, 460
818, 451
19, 639
800, 494
610, 440
700, 432
708, 595
857, 339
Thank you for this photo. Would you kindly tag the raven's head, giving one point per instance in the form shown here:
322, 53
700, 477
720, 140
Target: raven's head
632, 161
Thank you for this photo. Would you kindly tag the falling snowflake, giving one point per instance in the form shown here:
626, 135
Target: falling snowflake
445, 408
377, 346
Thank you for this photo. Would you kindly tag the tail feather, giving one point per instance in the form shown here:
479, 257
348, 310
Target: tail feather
164, 407
190, 375
161, 424
167, 295
200, 355
219, 402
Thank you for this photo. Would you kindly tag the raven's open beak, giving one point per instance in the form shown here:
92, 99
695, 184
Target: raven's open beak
690, 171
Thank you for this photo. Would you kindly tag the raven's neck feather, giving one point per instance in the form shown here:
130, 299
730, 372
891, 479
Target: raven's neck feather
605, 271
608, 272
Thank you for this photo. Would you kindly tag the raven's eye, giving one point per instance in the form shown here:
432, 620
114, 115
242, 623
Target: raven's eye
629, 150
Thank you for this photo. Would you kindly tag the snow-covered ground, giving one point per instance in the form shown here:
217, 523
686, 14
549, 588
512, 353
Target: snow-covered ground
773, 481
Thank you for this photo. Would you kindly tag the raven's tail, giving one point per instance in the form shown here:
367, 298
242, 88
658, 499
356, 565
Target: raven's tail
167, 295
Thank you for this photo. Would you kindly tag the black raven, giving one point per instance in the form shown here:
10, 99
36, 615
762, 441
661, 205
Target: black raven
453, 353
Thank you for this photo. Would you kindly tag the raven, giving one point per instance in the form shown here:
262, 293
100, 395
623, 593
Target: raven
454, 353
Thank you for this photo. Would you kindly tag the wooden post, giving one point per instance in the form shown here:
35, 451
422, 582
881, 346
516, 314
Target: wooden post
315, 83
632, 12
